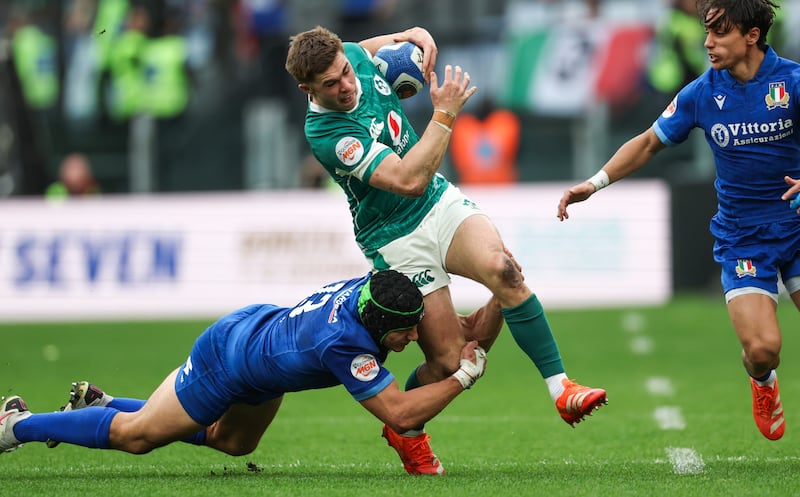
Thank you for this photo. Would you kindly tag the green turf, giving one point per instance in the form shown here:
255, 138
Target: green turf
501, 438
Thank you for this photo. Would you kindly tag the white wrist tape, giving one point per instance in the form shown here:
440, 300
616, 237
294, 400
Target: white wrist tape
469, 372
599, 180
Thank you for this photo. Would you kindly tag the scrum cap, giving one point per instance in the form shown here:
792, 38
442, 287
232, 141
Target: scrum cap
388, 302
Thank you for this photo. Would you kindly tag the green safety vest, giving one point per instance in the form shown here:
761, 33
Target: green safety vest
108, 25
165, 82
35, 61
126, 75
680, 56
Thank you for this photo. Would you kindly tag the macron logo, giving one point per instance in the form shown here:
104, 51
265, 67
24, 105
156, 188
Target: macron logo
720, 100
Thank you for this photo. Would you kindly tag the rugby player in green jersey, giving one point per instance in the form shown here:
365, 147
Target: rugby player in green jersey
408, 217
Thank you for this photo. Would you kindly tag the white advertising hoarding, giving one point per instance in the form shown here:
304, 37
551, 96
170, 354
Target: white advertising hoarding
201, 255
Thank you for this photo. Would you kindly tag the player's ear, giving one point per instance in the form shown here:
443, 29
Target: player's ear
305, 88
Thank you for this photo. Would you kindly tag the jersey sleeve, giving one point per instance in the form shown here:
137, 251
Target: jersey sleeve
678, 119
346, 143
347, 149
359, 370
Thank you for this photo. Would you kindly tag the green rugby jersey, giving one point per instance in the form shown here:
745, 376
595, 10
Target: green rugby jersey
350, 145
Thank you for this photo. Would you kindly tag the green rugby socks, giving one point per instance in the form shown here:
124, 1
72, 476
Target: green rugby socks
531, 331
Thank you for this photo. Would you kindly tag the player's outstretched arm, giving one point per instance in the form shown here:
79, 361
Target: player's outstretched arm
629, 158
403, 411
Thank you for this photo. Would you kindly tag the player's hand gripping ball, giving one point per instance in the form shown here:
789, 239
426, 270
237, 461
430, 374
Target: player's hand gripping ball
401, 65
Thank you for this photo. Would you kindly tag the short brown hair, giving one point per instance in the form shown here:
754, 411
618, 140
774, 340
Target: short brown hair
311, 53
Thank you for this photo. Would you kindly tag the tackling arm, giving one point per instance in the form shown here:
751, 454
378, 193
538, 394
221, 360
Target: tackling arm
403, 411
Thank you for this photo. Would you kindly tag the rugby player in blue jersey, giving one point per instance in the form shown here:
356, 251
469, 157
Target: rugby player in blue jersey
747, 105
408, 217
229, 390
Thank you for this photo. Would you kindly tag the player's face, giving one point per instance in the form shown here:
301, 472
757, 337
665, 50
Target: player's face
727, 49
397, 340
335, 89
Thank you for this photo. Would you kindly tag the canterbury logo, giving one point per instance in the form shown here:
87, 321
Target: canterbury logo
423, 278
575, 401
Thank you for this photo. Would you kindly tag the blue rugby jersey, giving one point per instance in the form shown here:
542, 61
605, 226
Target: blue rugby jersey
751, 129
318, 343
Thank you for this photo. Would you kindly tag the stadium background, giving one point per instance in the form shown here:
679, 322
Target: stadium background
228, 119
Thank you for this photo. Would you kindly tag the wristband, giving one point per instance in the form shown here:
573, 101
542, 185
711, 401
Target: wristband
443, 126
443, 117
466, 379
599, 180
469, 372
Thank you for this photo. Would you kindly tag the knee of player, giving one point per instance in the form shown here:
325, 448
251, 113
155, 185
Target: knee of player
233, 446
763, 354
504, 272
239, 448
138, 445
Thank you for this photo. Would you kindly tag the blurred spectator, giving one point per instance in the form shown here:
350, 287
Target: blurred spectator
81, 62
126, 78
363, 18
75, 178
484, 145
165, 72
261, 38
679, 52
35, 58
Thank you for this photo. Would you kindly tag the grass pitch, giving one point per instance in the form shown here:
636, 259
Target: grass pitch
678, 422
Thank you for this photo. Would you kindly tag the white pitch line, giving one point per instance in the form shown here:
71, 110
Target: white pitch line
642, 345
685, 461
660, 386
634, 322
669, 418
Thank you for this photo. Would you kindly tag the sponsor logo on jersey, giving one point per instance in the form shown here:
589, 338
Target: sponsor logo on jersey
395, 126
375, 129
737, 134
338, 302
777, 96
720, 100
349, 150
423, 278
381, 85
745, 267
397, 132
364, 367
671, 108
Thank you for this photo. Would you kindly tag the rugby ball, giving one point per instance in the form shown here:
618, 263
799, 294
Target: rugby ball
401, 64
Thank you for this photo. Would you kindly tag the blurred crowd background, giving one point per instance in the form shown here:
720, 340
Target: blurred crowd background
130, 96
